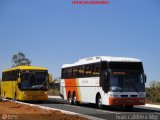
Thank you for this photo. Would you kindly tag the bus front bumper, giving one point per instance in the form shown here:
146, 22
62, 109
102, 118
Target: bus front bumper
33, 96
126, 101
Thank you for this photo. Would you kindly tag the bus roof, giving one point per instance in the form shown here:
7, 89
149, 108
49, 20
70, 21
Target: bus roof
25, 68
101, 58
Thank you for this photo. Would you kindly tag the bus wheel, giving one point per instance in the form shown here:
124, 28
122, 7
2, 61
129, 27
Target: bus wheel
70, 101
15, 96
129, 107
99, 102
75, 102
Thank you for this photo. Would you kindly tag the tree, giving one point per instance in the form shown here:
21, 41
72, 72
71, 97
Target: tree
20, 59
55, 84
153, 92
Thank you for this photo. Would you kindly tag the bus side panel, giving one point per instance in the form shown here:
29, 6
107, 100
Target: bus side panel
2, 89
105, 98
69, 86
88, 94
89, 87
9, 89
85, 88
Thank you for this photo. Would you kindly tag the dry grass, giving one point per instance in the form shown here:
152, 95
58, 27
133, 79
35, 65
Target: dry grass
54, 92
149, 102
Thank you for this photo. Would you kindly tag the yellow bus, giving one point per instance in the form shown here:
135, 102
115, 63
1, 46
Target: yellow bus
25, 83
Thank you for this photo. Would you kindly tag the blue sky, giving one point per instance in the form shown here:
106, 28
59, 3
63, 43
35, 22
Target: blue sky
53, 32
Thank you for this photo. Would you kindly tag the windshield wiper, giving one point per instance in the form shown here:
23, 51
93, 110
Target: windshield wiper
42, 84
36, 86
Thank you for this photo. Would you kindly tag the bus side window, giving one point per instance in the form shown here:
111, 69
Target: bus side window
69, 72
3, 76
88, 70
66, 72
12, 75
8, 76
75, 71
16, 74
63, 73
81, 71
96, 69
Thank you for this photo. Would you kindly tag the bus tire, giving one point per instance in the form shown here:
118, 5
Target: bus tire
15, 96
99, 102
75, 102
70, 100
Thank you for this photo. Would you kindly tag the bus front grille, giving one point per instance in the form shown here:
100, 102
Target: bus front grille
124, 95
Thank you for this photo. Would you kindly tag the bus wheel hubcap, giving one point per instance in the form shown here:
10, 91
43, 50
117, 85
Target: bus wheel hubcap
99, 103
74, 99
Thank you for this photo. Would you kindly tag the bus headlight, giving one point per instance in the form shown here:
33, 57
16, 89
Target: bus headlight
142, 95
142, 101
24, 93
114, 95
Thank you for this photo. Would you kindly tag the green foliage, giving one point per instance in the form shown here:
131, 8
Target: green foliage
157, 98
153, 92
51, 85
20, 59
55, 84
54, 92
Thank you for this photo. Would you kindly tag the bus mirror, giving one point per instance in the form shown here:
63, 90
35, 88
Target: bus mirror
105, 81
19, 80
145, 78
50, 78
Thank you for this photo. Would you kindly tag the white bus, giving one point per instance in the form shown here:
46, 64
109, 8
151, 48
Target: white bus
104, 80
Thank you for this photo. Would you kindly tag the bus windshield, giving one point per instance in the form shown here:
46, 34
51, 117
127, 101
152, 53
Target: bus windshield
34, 80
130, 82
124, 76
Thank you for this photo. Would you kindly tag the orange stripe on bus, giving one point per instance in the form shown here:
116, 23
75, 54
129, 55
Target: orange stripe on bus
78, 93
71, 86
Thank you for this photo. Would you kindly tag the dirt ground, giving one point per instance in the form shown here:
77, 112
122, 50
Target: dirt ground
15, 111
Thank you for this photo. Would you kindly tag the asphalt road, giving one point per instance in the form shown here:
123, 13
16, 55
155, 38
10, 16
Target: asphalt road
108, 113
